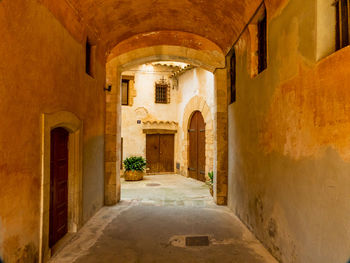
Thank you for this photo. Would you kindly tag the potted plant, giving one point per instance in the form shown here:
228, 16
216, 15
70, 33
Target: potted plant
211, 182
134, 167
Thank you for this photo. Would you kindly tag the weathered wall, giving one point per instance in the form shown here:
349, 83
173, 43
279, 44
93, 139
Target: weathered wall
144, 107
42, 70
196, 93
289, 141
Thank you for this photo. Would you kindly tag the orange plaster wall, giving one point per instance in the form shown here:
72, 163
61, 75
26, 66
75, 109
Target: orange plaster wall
289, 141
42, 70
311, 111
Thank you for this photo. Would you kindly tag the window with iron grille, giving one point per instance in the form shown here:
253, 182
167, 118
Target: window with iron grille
342, 23
162, 92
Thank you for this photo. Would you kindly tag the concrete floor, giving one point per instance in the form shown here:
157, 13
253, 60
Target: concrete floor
151, 223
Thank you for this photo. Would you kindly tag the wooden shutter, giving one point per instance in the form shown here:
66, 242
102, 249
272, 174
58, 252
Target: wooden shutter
125, 91
342, 23
262, 44
233, 78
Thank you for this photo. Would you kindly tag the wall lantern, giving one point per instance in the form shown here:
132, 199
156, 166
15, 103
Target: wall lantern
109, 88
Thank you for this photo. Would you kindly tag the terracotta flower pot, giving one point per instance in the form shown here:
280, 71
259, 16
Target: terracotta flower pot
211, 190
133, 175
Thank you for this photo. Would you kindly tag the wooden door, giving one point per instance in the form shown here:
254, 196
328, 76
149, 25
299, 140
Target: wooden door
166, 153
196, 156
160, 153
58, 185
152, 153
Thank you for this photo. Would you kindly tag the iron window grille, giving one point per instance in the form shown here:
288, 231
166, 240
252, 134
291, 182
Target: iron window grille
162, 92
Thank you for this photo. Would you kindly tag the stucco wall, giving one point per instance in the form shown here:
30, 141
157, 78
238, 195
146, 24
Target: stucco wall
196, 93
42, 70
144, 108
194, 83
289, 141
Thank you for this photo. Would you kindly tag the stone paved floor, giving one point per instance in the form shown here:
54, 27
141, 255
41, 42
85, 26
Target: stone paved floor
151, 223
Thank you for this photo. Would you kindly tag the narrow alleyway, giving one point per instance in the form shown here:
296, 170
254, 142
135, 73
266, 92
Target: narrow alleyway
152, 222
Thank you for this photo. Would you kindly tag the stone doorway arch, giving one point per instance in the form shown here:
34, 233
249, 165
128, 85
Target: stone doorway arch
198, 103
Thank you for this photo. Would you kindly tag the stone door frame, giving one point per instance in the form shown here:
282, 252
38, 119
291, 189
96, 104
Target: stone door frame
74, 126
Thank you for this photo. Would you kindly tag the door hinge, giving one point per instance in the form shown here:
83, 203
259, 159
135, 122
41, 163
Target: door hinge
191, 130
191, 169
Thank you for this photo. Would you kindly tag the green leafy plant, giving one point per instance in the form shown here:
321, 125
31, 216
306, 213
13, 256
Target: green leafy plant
135, 163
211, 177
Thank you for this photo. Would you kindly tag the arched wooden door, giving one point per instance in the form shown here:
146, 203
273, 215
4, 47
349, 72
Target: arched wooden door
196, 156
58, 185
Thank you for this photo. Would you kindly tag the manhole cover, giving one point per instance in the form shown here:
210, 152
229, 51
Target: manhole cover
197, 241
152, 184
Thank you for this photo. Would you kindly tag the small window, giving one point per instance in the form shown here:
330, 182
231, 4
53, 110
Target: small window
125, 91
89, 58
233, 78
262, 44
162, 92
342, 23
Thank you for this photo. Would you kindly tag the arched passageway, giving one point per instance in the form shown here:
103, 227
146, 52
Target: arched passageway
211, 61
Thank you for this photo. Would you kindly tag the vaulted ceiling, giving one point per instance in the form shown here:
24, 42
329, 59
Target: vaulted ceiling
114, 21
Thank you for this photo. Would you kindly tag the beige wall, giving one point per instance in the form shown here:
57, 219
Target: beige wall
42, 70
144, 108
196, 93
194, 83
289, 141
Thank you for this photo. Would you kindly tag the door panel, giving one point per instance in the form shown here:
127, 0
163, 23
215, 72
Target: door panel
196, 134
152, 152
201, 148
58, 185
160, 153
166, 142
192, 134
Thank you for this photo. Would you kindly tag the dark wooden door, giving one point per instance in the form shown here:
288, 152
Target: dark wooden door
196, 157
58, 185
152, 153
166, 153
160, 153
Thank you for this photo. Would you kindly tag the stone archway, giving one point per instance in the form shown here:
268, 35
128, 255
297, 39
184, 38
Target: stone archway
74, 126
212, 61
198, 103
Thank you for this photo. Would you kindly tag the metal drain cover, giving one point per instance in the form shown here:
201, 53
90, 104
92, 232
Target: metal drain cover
197, 241
153, 184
